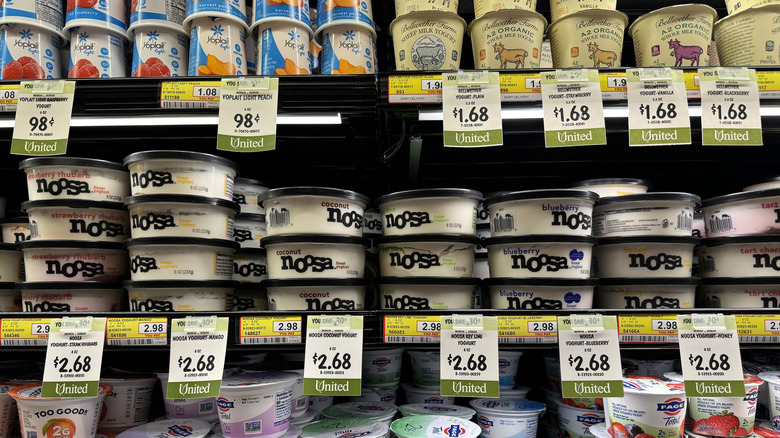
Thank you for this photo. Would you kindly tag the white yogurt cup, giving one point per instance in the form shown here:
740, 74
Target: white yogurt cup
698, 225
295, 10
646, 293
644, 257
231, 9
217, 46
381, 412
73, 296
645, 214
764, 184
516, 294
181, 216
246, 192
434, 426
74, 219
656, 407
159, 50
508, 365
341, 427
249, 229
29, 51
550, 256
347, 49
413, 409
15, 229
426, 369
83, 178
563, 212
730, 293
772, 379
10, 301
190, 428
181, 258
128, 403
249, 296
315, 256
427, 396
376, 395
43, 13
382, 368
70, 260
739, 256
179, 295
344, 11
507, 417
576, 422
427, 255
314, 210
188, 409
320, 402
606, 187
250, 265
181, 173
416, 293
299, 405
11, 267
283, 47
108, 14
743, 213
8, 410
170, 12
97, 53
481, 265
309, 416
429, 211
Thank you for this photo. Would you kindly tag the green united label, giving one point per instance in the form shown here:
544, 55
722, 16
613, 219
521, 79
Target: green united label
708, 388
39, 147
576, 137
732, 137
660, 136
595, 388
474, 138
259, 143
70, 389
469, 388
331, 386
208, 388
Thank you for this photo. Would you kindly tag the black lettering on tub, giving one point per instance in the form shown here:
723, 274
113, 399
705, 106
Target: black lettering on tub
414, 259
21, 237
536, 264
242, 235
515, 303
250, 269
406, 302
777, 212
413, 219
156, 179
70, 270
150, 305
96, 229
143, 264
652, 303
349, 219
578, 220
765, 261
57, 187
334, 304
654, 263
153, 220
769, 302
302, 264
46, 306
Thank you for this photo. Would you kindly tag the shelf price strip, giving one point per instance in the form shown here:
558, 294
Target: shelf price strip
197, 357
573, 110
247, 114
9, 97
710, 356
469, 356
527, 329
255, 330
652, 328
404, 329
137, 331
190, 94
471, 103
758, 328
42, 120
334, 355
73, 357
657, 107
589, 356
24, 332
730, 109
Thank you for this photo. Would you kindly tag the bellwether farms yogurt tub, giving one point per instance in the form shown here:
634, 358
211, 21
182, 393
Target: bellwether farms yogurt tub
563, 8
10, 263
645, 214
644, 257
187, 427
169, 12
217, 47
97, 53
29, 52
342, 427
428, 396
159, 51
290, 9
646, 293
15, 229
430, 40
381, 412
179, 295
738, 45
588, 38
434, 426
283, 47
429, 255
347, 48
606, 187
576, 422
561, 212
181, 258
507, 417
382, 368
742, 213
542, 256
509, 39
517, 294
70, 297
314, 210
246, 192
411, 410
181, 216
250, 265
71, 260
326, 294
249, 229
756, 293
73, 219
315, 256
128, 403
234, 10
649, 405
190, 409
256, 404
739, 256
83, 178
416, 293
674, 36
435, 211
482, 7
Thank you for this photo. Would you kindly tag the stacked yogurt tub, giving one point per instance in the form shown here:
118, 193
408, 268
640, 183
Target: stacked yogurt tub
160, 41
75, 257
346, 33
427, 35
737, 43
284, 34
218, 30
182, 219
31, 32
250, 267
14, 229
98, 38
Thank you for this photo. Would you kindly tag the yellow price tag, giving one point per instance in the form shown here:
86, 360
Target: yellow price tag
270, 330
414, 89
653, 328
692, 83
758, 328
768, 84
137, 331
9, 97
190, 94
412, 329
614, 85
18, 332
517, 87
527, 329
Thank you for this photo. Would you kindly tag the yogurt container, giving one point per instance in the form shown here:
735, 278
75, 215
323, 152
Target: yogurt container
754, 293
8, 411
481, 265
190, 427
552, 367
162, 12
516, 392
561, 212
576, 422
654, 406
10, 301
738, 43
426, 396
508, 365
249, 296
427, 255
646, 293
508, 417
314, 210
41, 13
82, 178
249, 229
315, 256
70, 260
403, 7
15, 229
11, 267
434, 211
426, 369
674, 36
217, 46
562, 8
537, 294
742, 213
234, 10
644, 257
508, 39
331, 11
181, 258
429, 40
128, 403
74, 296
376, 395
29, 51
382, 368
482, 7
159, 50
645, 214
328, 294
551, 256
347, 48
345, 427
648, 367
181, 216
483, 232
250, 265
283, 47
739, 256
178, 296
190, 409
290, 9
764, 184
414, 409
246, 192
772, 379
606, 187
108, 14
77, 220
96, 52
381, 412
181, 173
416, 293
588, 38
434, 426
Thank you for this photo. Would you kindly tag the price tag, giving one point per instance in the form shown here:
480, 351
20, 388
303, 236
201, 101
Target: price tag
414, 89
73, 357
190, 94
573, 111
197, 356
529, 329
710, 357
247, 114
590, 356
334, 355
520, 87
9, 97
270, 330
657, 107
137, 331
472, 109
613, 85
758, 328
469, 356
410, 329
24, 332
730, 107
42, 118
654, 328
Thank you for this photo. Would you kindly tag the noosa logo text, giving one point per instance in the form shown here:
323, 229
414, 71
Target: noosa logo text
406, 302
516, 303
70, 270
334, 304
579, 220
652, 303
150, 305
96, 229
250, 269
412, 219
143, 264
62, 185
156, 179
542, 261
153, 220
653, 263
414, 260
303, 264
46, 306
349, 219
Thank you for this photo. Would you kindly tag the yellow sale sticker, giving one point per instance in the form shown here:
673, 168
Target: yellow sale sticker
412, 328
520, 86
532, 329
9, 97
768, 84
190, 94
270, 330
24, 331
414, 89
137, 331
648, 328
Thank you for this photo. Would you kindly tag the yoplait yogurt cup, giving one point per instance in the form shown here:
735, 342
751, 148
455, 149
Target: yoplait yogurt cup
77, 220
283, 47
231, 9
429, 40
508, 39
105, 14
256, 404
347, 49
434, 426
439, 211
649, 405
742, 213
29, 52
315, 210
128, 403
217, 47
159, 51
69, 260
97, 53
68, 177
329, 11
576, 422
562, 212
588, 38
516, 294
190, 427
45, 13
70, 296
156, 12
507, 417
294, 9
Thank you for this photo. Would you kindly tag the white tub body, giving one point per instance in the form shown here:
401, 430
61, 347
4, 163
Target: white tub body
166, 176
315, 260
643, 218
283, 47
82, 300
639, 296
418, 258
508, 418
47, 13
256, 409
638, 259
250, 267
13, 232
69, 181
314, 215
743, 258
128, 403
184, 299
217, 47
190, 261
30, 52
427, 396
744, 408
75, 264
94, 224
160, 12
757, 214
348, 49
540, 259
426, 369
425, 296
429, 215
751, 294
562, 216
245, 194
382, 368
521, 296
657, 409
324, 298
248, 232
81, 414
576, 421
181, 219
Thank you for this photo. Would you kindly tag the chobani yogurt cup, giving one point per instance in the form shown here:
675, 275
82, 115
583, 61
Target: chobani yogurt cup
416, 293
360, 11
185, 427
246, 192
283, 47
315, 256
542, 256
646, 293
739, 256
430, 40
606, 187
403, 7
517, 294
107, 14
508, 39
347, 49
576, 422
436, 211
588, 38
434, 426
181, 216
674, 36
742, 213
10, 301
755, 293
159, 50
345, 427
382, 368
15, 229
410, 410
292, 9
326, 294
645, 214
562, 212
70, 297
429, 255
97, 53
29, 51
256, 404
644, 257
190, 409
508, 417
71, 260
314, 210
57, 417
83, 178
128, 403
249, 229
738, 45
426, 368
42, 13
11, 268
373, 395
650, 406
250, 265
381, 412
178, 295
428, 396
217, 47
234, 10
181, 258
73, 219
170, 12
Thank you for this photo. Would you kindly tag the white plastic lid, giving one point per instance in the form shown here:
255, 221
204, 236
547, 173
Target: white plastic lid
190, 428
652, 385
334, 428
770, 377
517, 392
599, 430
253, 380
432, 426
508, 406
374, 411
436, 409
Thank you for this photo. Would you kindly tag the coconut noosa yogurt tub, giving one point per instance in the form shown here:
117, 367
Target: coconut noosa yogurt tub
83, 178
416, 293
186, 427
345, 427
644, 257
74, 296
10, 263
430, 255
97, 53
159, 50
181, 216
674, 36
179, 295
576, 422
314, 210
508, 417
74, 219
542, 256
29, 52
738, 43
414, 409
738, 214
516, 294
508, 39
217, 47
428, 396
437, 211
256, 404
347, 49
283, 46
606, 187
70, 260
430, 40
588, 38
741, 292
382, 368
181, 258
315, 256
740, 256
434, 426
646, 293
326, 294
128, 403
655, 406
246, 192
250, 265
562, 212
645, 214
249, 296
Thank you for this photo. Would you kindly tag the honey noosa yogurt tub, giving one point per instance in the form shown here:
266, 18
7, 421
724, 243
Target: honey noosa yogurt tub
315, 256
181, 216
314, 210
430, 255
70, 260
646, 293
70, 296
327, 294
179, 295
428, 40
283, 47
246, 192
588, 38
77, 220
83, 178
674, 36
729, 293
740, 45
181, 258
509, 39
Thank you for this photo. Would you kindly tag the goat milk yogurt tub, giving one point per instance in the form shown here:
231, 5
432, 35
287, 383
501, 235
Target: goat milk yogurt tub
634, 257
170, 12
181, 216
83, 178
70, 260
576, 422
435, 211
740, 256
606, 187
541, 256
742, 213
315, 256
482, 7
518, 294
29, 52
508, 417
645, 214
181, 173
179, 295
342, 427
762, 292
250, 265
430, 255
74, 296
283, 47
327, 294
256, 404
128, 403
426, 396
646, 293
97, 53
159, 51
77, 220
347, 49
429, 40
416, 293
562, 212
410, 410
246, 192
509, 39
249, 229
11, 268
217, 47
172, 258
314, 210
588, 38
656, 407
185, 427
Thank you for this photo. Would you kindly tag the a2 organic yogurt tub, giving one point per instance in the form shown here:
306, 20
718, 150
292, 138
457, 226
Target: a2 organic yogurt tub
326, 294
181, 258
283, 47
415, 293
482, 7
739, 256
181, 216
606, 187
314, 210
576, 422
250, 265
381, 412
97, 53
403, 7
757, 293
29, 52
434, 426
562, 212
217, 47
427, 396
743, 213
645, 214
249, 229
256, 404
82, 178
588, 38
347, 49
508, 417
739, 45
508, 39
410, 410
644, 257
128, 403
429, 255
345, 427
72, 296
184, 427
70, 260
654, 406
428, 40
646, 293
246, 193
159, 50
11, 268
435, 211
74, 219
540, 256
562, 8
15, 229
382, 368
315, 256
519, 294
179, 295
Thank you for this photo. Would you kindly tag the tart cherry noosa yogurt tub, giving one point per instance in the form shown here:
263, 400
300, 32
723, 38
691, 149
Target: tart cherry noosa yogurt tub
564, 212
256, 405
82, 178
649, 405
314, 210
742, 213
438, 211
434, 426
740, 256
762, 292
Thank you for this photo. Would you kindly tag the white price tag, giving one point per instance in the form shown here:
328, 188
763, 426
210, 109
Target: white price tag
710, 356
197, 358
471, 102
334, 355
590, 356
42, 118
74, 355
469, 356
573, 111
657, 107
247, 114
730, 107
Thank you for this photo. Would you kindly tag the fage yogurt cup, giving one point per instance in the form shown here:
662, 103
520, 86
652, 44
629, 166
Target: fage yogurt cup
576, 422
413, 409
159, 51
256, 404
426, 369
588, 38
347, 49
427, 396
217, 47
508, 417
382, 368
191, 409
434, 426
29, 52
345, 427
189, 427
381, 412
68, 177
429, 40
283, 47
654, 406
96, 52
128, 403
508, 39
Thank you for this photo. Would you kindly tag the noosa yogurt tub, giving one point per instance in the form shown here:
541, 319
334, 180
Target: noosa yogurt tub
762, 292
439, 211
249, 229
518, 294
15, 229
633, 257
97, 53
430, 255
256, 404
645, 214
740, 256
77, 220
29, 52
181, 258
246, 192
71, 260
181, 216
649, 405
179, 295
606, 187
217, 47
11, 268
249, 296
327, 294
417, 293
508, 417
83, 178
70, 297
563, 212
738, 214
315, 256
542, 256
314, 210
250, 265
646, 293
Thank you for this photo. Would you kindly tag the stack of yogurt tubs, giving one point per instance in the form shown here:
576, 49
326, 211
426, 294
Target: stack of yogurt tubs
284, 34
346, 33
31, 32
160, 41
218, 30
98, 38
315, 249
14, 229
250, 267
75, 258
181, 223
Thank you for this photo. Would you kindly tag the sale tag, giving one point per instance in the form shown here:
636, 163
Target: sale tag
197, 359
469, 356
657, 107
409, 329
730, 107
190, 94
710, 357
269, 330
653, 328
42, 118
9, 97
573, 111
414, 89
334, 355
531, 329
758, 328
137, 331
247, 114
24, 332
590, 356
471, 103
613, 85
520, 87
73, 357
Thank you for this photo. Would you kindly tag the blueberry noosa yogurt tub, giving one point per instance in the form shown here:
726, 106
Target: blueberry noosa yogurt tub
10, 263
576, 422
508, 417
430, 255
428, 40
347, 49
654, 406
178, 295
97, 53
71, 260
740, 256
314, 210
159, 51
73, 296
345, 427
518, 294
256, 404
181, 258
29, 52
83, 178
157, 12
415, 293
217, 47
185, 427
283, 47
757, 293
315, 256
644, 257
508, 39
181, 216
645, 214
563, 212
606, 187
414, 409
743, 213
74, 219
439, 211
542, 256
326, 294
646, 293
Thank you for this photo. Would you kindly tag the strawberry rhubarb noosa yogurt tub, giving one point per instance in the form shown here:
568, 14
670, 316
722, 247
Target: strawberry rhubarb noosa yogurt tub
29, 52
650, 407
70, 177
159, 51
97, 53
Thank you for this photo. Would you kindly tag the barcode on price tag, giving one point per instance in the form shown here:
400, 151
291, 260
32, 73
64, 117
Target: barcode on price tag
414, 89
758, 328
9, 95
516, 329
190, 94
520, 87
24, 332
270, 330
647, 328
137, 331
404, 329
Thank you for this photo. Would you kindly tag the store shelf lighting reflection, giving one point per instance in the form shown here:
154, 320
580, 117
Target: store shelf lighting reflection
281, 119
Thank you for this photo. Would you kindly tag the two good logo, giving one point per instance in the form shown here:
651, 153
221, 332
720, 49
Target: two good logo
62, 185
